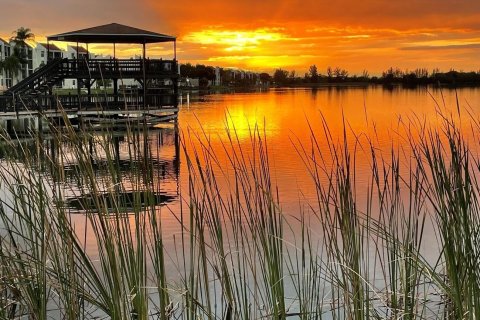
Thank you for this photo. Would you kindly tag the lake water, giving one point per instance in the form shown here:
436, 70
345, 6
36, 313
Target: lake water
287, 119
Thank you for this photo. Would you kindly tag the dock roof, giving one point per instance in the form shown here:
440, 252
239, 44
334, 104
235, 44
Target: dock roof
112, 33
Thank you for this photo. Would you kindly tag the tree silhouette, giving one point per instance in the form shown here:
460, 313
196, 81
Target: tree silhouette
313, 72
13, 64
329, 73
280, 76
340, 74
22, 36
265, 77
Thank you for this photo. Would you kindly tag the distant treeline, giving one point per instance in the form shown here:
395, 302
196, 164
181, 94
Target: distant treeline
420, 76
281, 77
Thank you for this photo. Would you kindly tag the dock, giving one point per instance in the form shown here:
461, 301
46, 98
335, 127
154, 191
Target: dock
154, 99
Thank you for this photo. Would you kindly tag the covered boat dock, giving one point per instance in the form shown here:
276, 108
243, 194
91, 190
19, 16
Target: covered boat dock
155, 97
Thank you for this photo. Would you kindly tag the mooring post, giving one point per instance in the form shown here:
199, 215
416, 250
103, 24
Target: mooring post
26, 125
176, 162
40, 124
10, 130
115, 92
144, 79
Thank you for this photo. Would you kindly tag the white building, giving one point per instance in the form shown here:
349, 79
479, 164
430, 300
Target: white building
5, 77
35, 56
27, 69
42, 50
81, 54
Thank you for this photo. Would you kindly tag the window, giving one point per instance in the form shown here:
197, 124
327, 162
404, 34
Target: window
73, 55
73, 82
42, 54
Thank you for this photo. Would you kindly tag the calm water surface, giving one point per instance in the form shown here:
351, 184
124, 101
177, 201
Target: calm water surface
287, 118
382, 117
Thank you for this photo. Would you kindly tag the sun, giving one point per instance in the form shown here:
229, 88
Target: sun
235, 40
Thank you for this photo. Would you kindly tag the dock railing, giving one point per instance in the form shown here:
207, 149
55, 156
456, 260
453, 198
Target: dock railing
121, 68
35, 94
72, 102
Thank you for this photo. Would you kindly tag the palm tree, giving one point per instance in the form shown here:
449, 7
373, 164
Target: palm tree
21, 36
18, 59
12, 64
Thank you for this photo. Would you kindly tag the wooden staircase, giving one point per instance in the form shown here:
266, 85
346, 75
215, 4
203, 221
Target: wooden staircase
42, 80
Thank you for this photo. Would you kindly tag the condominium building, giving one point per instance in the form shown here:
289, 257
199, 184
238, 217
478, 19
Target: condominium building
41, 52
5, 77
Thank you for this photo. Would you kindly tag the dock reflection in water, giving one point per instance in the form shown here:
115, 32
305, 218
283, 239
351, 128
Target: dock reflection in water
115, 172
132, 170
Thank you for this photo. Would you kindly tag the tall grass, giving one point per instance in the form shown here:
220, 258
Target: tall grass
348, 255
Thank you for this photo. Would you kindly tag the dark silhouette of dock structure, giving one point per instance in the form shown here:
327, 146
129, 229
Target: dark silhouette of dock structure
154, 98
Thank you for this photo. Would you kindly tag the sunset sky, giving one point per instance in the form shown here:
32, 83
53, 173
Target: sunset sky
264, 35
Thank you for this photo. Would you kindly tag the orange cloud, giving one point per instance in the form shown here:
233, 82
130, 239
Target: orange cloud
357, 35
355, 49
407, 14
